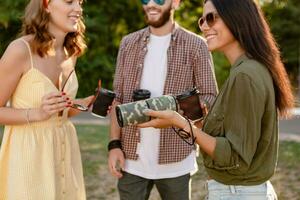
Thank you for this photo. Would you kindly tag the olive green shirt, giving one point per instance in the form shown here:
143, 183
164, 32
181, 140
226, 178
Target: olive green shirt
244, 122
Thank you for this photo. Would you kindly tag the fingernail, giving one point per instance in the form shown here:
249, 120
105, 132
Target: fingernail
146, 110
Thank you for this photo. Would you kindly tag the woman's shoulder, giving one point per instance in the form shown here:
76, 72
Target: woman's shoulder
253, 71
252, 68
17, 54
18, 47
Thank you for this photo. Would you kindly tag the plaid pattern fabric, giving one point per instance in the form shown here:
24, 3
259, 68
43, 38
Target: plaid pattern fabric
189, 65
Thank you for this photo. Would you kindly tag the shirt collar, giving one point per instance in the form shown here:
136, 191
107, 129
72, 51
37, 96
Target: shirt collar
239, 61
146, 35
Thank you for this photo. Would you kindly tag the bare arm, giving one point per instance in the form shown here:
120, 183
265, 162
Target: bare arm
114, 127
116, 156
13, 65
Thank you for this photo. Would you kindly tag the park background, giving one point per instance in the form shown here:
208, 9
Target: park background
107, 22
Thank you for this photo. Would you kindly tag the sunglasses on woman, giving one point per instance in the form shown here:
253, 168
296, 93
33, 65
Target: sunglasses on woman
158, 2
210, 19
79, 106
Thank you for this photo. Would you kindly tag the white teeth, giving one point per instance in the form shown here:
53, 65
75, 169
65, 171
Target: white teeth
210, 37
153, 13
75, 15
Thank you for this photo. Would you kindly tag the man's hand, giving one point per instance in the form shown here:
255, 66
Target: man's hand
116, 162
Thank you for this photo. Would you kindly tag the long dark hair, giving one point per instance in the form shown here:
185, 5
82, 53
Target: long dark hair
247, 23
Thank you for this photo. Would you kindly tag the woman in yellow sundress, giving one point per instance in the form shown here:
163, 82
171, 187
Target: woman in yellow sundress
40, 157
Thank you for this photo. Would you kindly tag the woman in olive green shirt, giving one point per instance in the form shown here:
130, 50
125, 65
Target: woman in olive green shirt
239, 137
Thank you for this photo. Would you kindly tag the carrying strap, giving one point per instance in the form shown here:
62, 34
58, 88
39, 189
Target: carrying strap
29, 50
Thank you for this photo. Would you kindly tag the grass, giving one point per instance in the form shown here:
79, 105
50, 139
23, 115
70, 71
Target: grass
101, 185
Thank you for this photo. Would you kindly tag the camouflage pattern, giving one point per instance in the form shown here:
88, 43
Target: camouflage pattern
132, 113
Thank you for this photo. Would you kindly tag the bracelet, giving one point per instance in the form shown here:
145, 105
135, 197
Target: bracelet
27, 116
185, 135
114, 144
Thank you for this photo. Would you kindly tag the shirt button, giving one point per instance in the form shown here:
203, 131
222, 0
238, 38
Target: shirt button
144, 49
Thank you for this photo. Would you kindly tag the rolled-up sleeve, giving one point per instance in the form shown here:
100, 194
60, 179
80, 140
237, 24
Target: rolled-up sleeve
204, 75
242, 124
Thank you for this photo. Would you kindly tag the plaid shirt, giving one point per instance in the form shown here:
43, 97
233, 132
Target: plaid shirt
189, 65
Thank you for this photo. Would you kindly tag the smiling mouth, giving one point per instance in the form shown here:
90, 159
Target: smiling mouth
210, 36
153, 12
75, 16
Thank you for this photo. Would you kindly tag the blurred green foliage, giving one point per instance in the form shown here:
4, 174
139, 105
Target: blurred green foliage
108, 21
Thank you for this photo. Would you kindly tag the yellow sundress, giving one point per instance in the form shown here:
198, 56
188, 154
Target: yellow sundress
41, 160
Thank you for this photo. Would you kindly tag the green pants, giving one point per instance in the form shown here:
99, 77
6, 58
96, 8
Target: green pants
133, 187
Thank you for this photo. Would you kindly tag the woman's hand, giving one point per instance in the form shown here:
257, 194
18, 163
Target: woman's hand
164, 119
52, 103
87, 101
199, 122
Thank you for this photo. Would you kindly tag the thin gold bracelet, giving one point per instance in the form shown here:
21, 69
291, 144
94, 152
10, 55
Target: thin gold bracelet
27, 116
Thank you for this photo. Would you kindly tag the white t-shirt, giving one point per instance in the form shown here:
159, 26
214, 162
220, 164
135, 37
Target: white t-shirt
153, 79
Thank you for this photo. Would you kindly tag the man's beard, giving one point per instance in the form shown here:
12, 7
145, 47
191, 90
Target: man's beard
165, 17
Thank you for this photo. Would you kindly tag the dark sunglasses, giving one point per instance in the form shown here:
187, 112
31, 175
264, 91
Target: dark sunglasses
158, 2
210, 19
79, 106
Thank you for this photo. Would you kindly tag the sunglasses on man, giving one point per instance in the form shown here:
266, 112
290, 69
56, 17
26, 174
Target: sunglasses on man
158, 2
210, 19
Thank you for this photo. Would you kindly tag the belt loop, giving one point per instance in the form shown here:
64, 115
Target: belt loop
232, 189
206, 186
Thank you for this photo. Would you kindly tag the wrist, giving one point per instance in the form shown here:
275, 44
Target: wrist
182, 123
37, 115
114, 144
186, 132
187, 127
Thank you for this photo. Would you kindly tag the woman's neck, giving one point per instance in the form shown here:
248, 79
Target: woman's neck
233, 52
59, 37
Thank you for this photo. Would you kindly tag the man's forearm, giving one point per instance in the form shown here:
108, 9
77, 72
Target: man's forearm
115, 130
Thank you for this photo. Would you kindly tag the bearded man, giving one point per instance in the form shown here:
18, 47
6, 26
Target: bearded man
163, 58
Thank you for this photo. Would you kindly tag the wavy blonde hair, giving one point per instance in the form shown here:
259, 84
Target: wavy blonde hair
35, 22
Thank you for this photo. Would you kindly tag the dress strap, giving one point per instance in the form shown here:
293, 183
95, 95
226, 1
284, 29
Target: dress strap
29, 50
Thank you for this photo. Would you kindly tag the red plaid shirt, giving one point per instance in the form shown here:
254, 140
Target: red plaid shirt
189, 65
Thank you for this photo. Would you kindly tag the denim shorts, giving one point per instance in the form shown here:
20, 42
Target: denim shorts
219, 191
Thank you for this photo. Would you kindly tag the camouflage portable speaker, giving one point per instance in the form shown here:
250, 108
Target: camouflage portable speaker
132, 113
